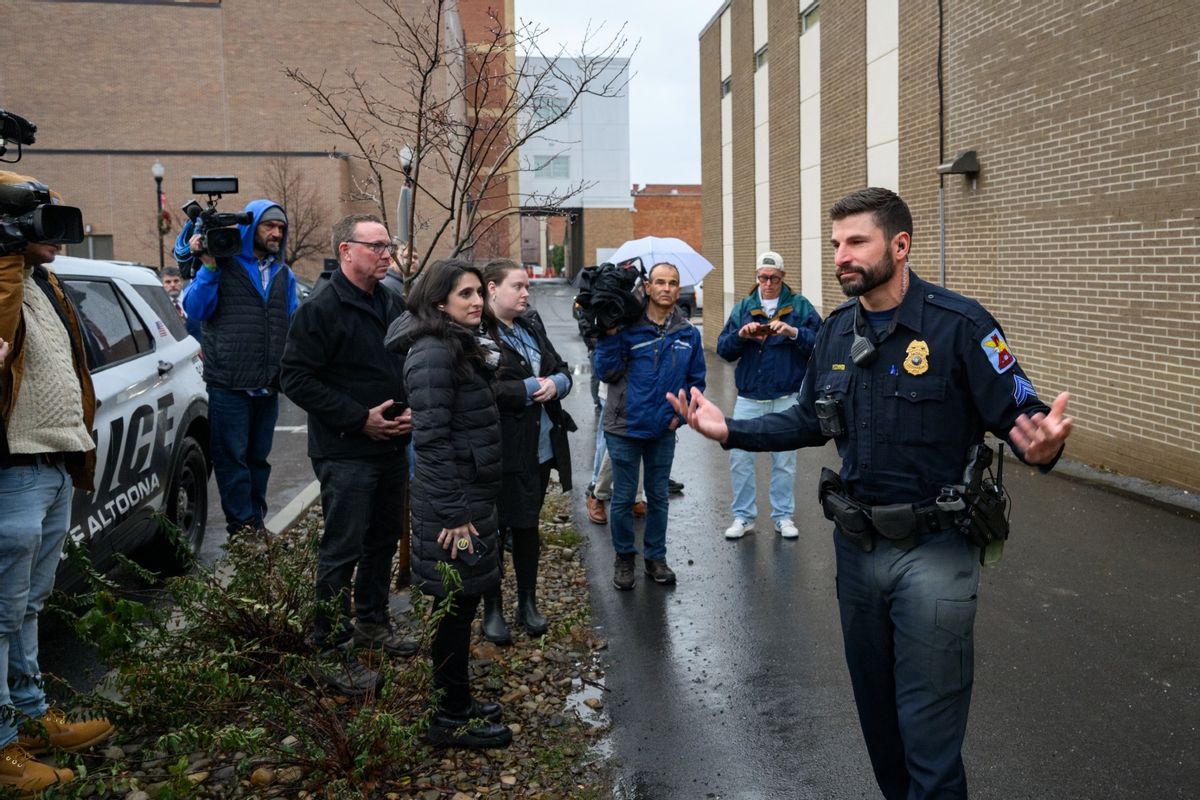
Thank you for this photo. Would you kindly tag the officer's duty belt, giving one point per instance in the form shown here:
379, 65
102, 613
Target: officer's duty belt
901, 523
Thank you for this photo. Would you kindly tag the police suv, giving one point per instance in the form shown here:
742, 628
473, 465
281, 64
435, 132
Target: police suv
151, 428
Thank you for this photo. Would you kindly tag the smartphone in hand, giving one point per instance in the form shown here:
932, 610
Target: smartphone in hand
471, 558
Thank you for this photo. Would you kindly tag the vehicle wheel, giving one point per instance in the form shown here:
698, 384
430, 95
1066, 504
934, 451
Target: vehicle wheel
186, 512
686, 309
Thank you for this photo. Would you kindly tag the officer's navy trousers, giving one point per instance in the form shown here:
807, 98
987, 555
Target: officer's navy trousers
908, 618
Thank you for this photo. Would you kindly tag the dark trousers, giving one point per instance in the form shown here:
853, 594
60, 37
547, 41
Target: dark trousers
527, 541
908, 619
241, 431
362, 500
451, 654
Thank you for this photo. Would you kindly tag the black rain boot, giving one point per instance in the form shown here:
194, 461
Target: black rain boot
527, 612
494, 628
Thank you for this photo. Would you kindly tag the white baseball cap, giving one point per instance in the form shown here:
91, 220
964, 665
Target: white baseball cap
769, 260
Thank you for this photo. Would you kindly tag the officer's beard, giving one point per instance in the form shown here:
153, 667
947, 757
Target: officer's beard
861, 280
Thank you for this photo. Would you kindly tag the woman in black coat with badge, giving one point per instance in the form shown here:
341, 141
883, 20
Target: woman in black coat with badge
456, 433
529, 383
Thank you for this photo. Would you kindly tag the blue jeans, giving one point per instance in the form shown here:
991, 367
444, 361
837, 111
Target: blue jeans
655, 456
908, 620
362, 500
783, 466
35, 506
601, 448
242, 430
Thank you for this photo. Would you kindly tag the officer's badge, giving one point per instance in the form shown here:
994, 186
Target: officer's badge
917, 360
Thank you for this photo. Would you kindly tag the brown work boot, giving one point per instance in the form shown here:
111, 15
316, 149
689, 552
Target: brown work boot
595, 510
623, 571
657, 569
19, 772
639, 509
55, 730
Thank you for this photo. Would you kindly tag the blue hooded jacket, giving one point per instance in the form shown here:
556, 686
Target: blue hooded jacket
641, 364
774, 367
200, 302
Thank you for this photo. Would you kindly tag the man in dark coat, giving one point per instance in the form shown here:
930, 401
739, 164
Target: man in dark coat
336, 368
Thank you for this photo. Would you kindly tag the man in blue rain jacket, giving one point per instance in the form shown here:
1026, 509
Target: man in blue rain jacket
244, 304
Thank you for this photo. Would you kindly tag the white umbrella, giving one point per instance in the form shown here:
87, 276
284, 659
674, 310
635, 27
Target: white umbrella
656, 250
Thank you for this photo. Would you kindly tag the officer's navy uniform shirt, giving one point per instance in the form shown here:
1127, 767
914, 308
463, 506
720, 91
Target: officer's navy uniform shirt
942, 377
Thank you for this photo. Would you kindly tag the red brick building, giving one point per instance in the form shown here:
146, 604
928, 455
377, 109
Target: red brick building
662, 209
200, 87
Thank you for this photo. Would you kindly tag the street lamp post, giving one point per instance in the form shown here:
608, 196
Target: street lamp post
157, 171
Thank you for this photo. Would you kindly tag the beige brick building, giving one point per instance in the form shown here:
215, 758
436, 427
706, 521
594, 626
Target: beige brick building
1081, 231
200, 87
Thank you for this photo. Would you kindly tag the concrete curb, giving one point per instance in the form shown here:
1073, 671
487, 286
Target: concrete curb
290, 514
1179, 501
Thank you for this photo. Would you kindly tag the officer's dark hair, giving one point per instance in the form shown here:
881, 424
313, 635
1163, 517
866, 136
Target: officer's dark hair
343, 230
890, 212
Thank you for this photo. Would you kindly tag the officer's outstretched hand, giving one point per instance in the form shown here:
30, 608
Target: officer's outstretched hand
702, 416
1041, 437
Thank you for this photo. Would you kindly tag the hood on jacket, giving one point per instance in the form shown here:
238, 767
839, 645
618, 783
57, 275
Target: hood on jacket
258, 208
401, 334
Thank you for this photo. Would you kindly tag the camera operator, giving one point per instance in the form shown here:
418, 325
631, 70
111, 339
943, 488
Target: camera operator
46, 449
244, 304
660, 350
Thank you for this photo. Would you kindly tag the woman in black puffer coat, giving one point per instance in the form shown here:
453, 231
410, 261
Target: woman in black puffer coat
456, 433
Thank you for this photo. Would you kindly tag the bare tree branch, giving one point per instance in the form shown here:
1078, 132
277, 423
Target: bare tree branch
465, 108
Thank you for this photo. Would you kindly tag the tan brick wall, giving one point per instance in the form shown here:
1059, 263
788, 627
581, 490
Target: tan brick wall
843, 117
783, 43
710, 177
1083, 236
742, 24
1083, 233
605, 227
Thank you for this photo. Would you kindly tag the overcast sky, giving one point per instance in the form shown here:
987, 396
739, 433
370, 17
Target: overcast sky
664, 92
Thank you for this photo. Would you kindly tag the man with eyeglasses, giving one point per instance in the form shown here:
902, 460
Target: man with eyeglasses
770, 335
243, 305
336, 368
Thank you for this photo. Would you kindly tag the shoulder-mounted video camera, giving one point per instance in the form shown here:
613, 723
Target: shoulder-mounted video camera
610, 296
27, 211
218, 231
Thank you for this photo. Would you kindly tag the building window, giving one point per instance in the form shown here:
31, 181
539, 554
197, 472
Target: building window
726, 86
92, 247
760, 58
552, 166
548, 109
810, 17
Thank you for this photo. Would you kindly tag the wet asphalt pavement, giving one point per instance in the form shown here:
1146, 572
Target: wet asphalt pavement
732, 684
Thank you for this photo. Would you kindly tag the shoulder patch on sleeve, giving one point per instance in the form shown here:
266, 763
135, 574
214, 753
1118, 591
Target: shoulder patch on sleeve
997, 351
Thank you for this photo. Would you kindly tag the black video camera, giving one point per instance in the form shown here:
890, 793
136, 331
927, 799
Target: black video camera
27, 214
219, 235
610, 296
15, 128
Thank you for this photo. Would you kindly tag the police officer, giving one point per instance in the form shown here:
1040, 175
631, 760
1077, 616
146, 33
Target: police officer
905, 377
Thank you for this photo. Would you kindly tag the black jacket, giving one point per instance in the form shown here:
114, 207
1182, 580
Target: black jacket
244, 338
521, 500
456, 432
336, 368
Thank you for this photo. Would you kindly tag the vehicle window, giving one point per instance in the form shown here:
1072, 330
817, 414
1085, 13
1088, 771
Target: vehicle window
112, 332
158, 299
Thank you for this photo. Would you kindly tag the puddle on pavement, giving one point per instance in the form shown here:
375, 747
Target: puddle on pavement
587, 701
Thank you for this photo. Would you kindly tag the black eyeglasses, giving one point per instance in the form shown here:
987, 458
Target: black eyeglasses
768, 278
378, 247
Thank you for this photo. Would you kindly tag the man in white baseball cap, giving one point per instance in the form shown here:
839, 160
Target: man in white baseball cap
770, 335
